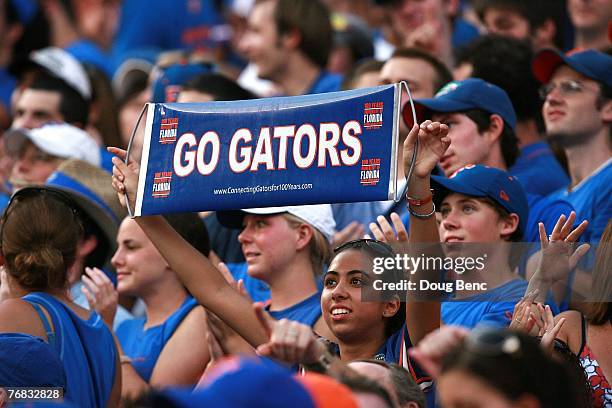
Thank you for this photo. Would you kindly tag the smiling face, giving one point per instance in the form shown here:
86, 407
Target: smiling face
468, 219
572, 115
346, 315
140, 267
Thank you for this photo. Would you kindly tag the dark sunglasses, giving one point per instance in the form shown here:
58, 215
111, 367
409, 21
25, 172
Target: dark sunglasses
37, 191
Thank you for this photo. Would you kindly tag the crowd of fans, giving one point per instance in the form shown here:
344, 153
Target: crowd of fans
266, 307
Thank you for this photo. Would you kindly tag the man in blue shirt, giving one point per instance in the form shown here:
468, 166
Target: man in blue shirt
577, 112
289, 42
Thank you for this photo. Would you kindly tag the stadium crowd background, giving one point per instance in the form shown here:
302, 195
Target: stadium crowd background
514, 103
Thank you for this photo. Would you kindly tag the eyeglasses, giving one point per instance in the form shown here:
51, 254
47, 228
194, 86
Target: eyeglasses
376, 246
492, 342
568, 87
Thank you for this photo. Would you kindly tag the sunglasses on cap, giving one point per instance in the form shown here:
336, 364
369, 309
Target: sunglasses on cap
493, 342
374, 245
37, 191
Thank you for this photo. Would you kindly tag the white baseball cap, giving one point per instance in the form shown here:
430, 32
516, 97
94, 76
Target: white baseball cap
63, 65
320, 216
57, 139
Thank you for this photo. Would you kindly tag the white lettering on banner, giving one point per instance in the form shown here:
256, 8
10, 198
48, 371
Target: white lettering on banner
211, 138
307, 145
183, 170
240, 165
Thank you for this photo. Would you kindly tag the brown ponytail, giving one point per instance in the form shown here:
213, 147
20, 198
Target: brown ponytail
40, 232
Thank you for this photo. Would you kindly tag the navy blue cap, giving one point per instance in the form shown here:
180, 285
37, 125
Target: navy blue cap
458, 96
29, 361
590, 63
261, 382
169, 83
476, 180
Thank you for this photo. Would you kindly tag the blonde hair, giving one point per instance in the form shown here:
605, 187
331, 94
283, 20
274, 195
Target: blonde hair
319, 247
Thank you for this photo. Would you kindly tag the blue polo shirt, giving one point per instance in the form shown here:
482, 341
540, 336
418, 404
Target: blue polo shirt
325, 82
538, 170
591, 199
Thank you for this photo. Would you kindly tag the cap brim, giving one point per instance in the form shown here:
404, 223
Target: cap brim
545, 63
443, 186
233, 218
420, 112
425, 108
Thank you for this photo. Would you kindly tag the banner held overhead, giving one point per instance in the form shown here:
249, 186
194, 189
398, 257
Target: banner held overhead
324, 148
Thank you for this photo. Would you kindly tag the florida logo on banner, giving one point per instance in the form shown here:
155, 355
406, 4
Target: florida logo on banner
325, 148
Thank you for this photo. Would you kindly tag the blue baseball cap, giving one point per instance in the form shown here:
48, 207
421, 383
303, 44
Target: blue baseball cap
170, 81
245, 382
590, 63
458, 96
476, 180
29, 361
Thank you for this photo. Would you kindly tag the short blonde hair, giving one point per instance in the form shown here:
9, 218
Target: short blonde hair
319, 247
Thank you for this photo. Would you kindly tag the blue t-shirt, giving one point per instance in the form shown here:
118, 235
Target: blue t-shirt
546, 210
326, 82
308, 311
86, 348
362, 212
184, 24
79, 298
7, 85
493, 308
464, 32
591, 199
258, 290
145, 346
538, 170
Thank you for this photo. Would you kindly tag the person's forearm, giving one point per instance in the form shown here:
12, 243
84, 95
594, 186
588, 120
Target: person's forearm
422, 229
542, 285
422, 317
202, 279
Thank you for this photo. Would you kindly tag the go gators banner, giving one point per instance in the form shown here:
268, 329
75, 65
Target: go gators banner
325, 148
